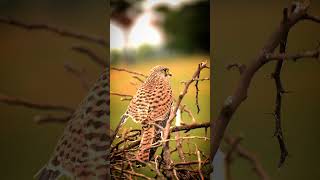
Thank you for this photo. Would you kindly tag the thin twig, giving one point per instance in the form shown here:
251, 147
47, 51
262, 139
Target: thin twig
39, 119
92, 55
228, 157
197, 91
279, 92
314, 54
79, 74
130, 172
56, 30
29, 104
199, 163
129, 71
244, 153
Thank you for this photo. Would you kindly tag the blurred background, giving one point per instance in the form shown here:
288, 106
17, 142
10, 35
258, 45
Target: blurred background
147, 33
32, 67
239, 30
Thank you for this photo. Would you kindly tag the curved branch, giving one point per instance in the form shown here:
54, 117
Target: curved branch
56, 30
240, 94
92, 55
25, 103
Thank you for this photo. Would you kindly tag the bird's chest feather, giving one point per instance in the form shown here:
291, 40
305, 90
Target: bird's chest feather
152, 101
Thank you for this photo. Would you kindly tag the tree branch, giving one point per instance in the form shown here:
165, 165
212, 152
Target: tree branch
79, 74
279, 92
240, 94
166, 132
282, 56
25, 103
56, 30
244, 153
92, 55
129, 71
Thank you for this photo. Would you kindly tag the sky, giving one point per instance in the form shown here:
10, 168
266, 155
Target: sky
143, 31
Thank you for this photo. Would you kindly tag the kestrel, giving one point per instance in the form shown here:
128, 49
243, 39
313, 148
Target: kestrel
81, 152
151, 107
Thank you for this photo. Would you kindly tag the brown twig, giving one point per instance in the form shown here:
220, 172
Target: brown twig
279, 92
29, 104
199, 163
188, 111
177, 136
79, 74
130, 172
138, 78
240, 94
244, 153
282, 56
197, 91
92, 55
189, 127
56, 30
197, 79
124, 97
228, 157
312, 18
129, 71
39, 119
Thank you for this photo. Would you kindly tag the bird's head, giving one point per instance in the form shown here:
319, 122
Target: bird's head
160, 71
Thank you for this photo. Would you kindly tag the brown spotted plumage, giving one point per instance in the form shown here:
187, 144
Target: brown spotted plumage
151, 106
81, 152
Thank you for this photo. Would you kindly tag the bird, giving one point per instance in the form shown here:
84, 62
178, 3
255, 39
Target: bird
82, 150
151, 107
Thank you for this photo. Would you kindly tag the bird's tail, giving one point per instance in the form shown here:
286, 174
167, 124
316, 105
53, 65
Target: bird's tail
147, 139
47, 174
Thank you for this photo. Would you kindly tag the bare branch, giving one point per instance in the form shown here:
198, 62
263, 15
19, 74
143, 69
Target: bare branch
279, 93
228, 157
124, 97
56, 30
312, 18
130, 172
197, 91
138, 78
197, 79
166, 133
92, 55
189, 127
199, 163
79, 74
129, 71
244, 153
51, 119
29, 104
294, 57
240, 94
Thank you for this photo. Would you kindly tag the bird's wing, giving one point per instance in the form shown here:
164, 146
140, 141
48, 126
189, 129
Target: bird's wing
139, 106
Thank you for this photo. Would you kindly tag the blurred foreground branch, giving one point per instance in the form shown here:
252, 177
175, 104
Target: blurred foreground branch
56, 30
297, 13
9, 100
